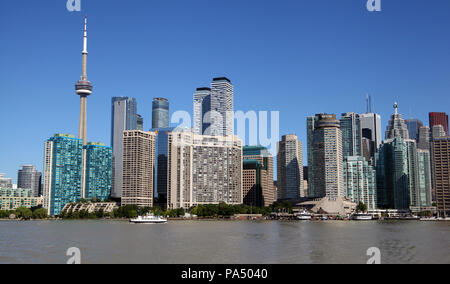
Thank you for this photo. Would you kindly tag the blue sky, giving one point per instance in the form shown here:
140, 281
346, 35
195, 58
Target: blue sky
299, 57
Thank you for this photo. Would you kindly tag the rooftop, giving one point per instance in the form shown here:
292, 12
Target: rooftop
221, 79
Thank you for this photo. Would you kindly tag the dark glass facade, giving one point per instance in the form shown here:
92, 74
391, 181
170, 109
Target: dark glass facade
161, 165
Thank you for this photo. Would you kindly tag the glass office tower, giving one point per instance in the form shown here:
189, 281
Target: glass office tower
123, 117
161, 164
160, 113
397, 174
351, 134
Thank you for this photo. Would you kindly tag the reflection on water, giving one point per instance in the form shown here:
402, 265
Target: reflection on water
237, 242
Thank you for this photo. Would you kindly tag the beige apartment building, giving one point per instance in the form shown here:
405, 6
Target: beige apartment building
138, 167
203, 170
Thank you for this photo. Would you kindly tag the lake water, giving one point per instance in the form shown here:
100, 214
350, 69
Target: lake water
225, 242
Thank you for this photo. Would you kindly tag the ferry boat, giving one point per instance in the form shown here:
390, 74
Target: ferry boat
149, 219
305, 215
362, 217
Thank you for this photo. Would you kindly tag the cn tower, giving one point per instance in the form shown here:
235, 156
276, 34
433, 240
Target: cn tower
83, 89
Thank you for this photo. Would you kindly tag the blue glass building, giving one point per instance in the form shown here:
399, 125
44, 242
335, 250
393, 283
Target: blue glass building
123, 117
98, 171
62, 172
413, 128
161, 164
397, 174
160, 113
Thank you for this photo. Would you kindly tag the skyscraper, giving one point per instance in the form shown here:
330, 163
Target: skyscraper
424, 141
5, 182
202, 107
123, 117
351, 134
257, 185
424, 179
290, 168
161, 163
437, 131
441, 160
397, 174
414, 126
160, 113
63, 168
139, 122
222, 107
98, 171
138, 165
310, 122
30, 178
371, 133
203, 170
360, 181
327, 151
397, 127
214, 109
439, 118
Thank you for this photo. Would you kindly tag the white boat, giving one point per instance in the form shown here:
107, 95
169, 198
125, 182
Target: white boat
149, 219
305, 215
362, 217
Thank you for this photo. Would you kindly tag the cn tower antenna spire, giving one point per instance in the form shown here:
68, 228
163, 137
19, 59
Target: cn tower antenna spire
85, 51
83, 89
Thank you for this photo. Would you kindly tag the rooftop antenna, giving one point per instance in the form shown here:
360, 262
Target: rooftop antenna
369, 107
367, 103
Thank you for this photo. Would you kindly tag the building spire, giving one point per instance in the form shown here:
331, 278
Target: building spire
396, 108
85, 52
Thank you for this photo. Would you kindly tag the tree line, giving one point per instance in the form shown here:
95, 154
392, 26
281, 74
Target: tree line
24, 213
132, 211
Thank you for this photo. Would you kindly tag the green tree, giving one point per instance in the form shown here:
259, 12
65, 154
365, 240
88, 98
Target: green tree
132, 214
100, 213
24, 213
361, 207
40, 213
4, 214
180, 212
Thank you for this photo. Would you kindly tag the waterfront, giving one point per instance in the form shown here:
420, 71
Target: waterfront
232, 242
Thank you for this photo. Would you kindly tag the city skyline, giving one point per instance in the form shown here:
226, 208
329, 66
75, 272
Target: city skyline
247, 96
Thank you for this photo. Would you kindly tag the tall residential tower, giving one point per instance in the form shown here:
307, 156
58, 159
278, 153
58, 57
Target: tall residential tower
290, 168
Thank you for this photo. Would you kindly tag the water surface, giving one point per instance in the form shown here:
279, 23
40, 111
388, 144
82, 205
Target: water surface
229, 242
